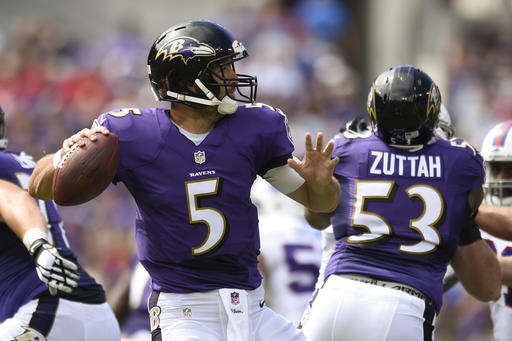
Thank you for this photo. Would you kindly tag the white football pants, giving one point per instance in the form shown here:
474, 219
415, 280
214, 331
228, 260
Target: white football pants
345, 309
218, 315
57, 319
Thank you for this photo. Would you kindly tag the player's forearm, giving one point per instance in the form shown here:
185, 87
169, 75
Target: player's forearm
478, 270
496, 220
19, 210
118, 296
317, 220
323, 199
506, 270
41, 180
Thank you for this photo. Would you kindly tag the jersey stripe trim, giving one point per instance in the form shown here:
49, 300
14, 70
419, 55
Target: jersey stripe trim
44, 316
428, 326
156, 334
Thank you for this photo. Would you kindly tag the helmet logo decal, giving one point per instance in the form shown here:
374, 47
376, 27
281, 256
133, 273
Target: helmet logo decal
434, 100
185, 48
370, 105
499, 139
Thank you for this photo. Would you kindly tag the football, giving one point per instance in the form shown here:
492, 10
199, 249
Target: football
85, 172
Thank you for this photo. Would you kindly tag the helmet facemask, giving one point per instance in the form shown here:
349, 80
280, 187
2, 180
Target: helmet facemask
241, 88
497, 152
498, 184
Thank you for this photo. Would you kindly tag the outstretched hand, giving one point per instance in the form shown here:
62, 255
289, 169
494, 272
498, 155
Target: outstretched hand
316, 167
78, 138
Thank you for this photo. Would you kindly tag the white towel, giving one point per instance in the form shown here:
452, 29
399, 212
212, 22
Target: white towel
237, 309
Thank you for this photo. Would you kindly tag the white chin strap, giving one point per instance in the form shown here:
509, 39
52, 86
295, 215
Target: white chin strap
227, 106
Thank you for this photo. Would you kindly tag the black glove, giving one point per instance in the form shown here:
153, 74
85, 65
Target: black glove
58, 273
355, 125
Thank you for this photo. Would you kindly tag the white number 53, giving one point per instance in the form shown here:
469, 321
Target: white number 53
378, 227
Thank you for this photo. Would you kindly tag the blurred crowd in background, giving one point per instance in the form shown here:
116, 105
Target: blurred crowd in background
308, 56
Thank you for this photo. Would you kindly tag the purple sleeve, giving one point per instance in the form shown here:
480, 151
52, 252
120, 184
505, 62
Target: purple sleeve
140, 134
272, 144
470, 164
279, 144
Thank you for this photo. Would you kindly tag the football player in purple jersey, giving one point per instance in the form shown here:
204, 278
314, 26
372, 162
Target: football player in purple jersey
407, 210
44, 293
190, 169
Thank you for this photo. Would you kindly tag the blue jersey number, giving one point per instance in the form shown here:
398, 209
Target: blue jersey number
294, 266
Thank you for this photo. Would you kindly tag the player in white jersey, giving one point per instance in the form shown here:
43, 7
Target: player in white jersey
497, 153
290, 251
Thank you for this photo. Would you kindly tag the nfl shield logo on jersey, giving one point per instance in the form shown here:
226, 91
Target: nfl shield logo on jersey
187, 312
235, 298
199, 157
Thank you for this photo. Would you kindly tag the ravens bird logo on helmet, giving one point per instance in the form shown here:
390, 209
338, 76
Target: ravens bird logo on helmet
185, 48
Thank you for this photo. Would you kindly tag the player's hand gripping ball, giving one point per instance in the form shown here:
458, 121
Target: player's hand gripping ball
85, 172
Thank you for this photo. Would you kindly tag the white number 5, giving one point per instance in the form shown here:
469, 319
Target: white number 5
211, 217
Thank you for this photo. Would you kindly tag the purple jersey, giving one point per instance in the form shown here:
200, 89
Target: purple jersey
19, 282
196, 227
401, 213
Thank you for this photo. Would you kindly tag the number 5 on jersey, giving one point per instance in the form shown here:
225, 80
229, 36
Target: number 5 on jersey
211, 217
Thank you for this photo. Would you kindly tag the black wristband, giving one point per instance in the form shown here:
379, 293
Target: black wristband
36, 246
470, 232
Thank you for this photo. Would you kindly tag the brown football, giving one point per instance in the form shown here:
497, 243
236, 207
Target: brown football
84, 172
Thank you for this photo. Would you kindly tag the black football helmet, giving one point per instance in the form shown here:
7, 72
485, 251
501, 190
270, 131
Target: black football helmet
3, 137
186, 54
403, 106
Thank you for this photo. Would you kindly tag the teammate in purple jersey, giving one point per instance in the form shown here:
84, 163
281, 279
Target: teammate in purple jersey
190, 170
407, 209
72, 306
